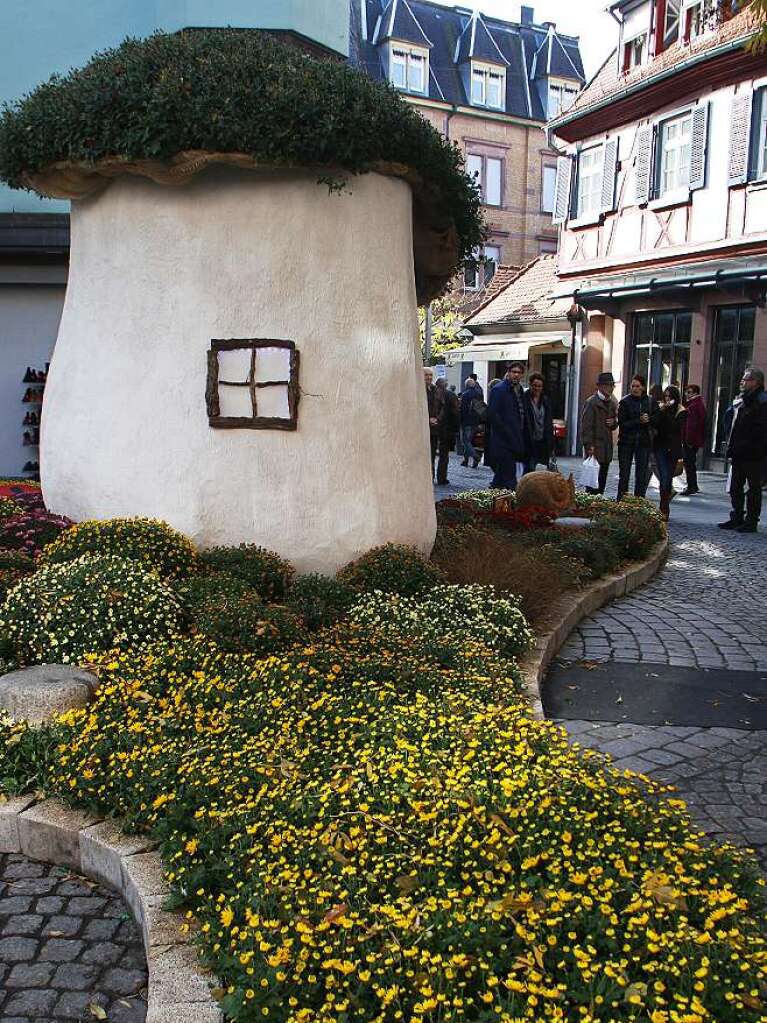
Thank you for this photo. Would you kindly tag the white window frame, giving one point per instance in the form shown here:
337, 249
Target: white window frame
551, 169
644, 37
480, 254
760, 136
481, 74
482, 177
697, 13
681, 189
567, 92
410, 58
597, 173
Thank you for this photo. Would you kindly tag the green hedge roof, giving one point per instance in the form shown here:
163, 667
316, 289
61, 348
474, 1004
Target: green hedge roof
230, 91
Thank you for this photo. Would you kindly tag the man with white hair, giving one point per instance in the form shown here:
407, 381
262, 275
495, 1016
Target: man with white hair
747, 450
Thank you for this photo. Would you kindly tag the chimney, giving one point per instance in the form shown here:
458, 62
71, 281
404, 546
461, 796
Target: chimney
527, 16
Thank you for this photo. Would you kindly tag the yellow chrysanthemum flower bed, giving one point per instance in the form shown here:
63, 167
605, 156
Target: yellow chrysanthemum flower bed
360, 831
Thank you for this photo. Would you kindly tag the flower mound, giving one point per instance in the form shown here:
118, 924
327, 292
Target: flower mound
391, 568
265, 572
450, 614
360, 848
163, 548
92, 603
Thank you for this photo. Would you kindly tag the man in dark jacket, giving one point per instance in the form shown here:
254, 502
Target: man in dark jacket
693, 437
634, 441
433, 413
599, 420
472, 399
747, 450
508, 429
448, 424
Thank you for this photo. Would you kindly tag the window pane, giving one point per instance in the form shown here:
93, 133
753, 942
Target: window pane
569, 98
644, 327
470, 275
590, 180
727, 325
493, 252
493, 184
272, 364
683, 332
273, 402
664, 328
762, 133
494, 90
478, 87
555, 100
416, 72
642, 361
234, 366
746, 324
474, 167
398, 72
680, 370
235, 401
549, 187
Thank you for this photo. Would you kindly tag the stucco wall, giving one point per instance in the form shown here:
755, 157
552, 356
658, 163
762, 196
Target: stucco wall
156, 273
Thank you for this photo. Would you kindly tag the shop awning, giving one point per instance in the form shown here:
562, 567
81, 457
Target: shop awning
511, 348
746, 277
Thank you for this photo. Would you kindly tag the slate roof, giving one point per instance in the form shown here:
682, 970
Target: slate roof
526, 298
611, 82
494, 40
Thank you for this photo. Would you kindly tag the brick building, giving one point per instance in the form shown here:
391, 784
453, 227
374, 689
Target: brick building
490, 86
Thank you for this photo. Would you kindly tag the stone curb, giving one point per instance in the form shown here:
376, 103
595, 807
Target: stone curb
571, 609
179, 989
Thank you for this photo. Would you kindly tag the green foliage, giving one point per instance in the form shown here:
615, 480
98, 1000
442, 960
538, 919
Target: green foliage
598, 554
157, 544
448, 615
320, 601
234, 92
14, 565
482, 500
267, 573
391, 568
242, 623
27, 755
91, 604
9, 508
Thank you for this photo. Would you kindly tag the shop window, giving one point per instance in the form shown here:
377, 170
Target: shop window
662, 347
253, 384
732, 354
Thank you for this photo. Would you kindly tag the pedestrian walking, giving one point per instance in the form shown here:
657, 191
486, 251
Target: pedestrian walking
540, 423
599, 421
433, 413
747, 450
634, 440
508, 441
473, 410
668, 422
693, 437
448, 425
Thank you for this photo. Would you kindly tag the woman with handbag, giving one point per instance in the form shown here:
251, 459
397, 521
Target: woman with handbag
668, 423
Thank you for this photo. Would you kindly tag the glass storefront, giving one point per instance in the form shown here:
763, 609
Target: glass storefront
662, 347
732, 354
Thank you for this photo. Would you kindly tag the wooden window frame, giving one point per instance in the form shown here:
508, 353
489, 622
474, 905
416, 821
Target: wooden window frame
255, 422
482, 180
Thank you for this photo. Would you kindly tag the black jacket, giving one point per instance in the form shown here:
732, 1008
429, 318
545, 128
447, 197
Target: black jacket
748, 435
470, 394
634, 433
548, 421
668, 424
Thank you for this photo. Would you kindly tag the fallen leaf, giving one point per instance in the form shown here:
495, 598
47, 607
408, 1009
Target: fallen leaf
335, 913
96, 1011
573, 687
619, 700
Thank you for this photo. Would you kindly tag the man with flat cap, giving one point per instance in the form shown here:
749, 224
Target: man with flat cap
598, 424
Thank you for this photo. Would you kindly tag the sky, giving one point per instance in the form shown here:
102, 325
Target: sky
584, 18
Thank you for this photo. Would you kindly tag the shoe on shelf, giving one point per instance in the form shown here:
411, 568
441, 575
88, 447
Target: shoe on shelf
747, 527
729, 524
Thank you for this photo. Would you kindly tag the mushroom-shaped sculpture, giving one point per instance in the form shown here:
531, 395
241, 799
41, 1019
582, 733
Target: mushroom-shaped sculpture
239, 356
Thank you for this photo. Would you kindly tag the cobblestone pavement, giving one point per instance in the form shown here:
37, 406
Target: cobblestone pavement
705, 610
69, 949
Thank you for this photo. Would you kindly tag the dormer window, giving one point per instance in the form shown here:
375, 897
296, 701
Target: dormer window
671, 23
698, 16
561, 97
635, 52
409, 68
488, 86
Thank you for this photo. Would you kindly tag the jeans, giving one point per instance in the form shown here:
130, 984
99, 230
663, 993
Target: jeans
637, 455
691, 467
743, 472
665, 463
469, 451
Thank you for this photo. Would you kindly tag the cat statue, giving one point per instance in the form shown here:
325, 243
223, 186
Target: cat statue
549, 490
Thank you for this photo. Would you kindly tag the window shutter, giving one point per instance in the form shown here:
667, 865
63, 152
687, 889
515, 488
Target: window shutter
740, 137
643, 165
609, 173
698, 146
562, 189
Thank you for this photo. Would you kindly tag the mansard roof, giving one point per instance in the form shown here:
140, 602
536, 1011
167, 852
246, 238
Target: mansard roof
552, 59
507, 44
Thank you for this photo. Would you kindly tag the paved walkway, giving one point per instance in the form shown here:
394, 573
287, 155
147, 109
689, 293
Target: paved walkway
705, 611
69, 949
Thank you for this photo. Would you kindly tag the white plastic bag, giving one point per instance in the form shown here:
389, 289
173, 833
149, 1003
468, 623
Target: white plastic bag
590, 473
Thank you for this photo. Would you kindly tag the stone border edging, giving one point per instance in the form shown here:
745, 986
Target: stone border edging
178, 989
571, 609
